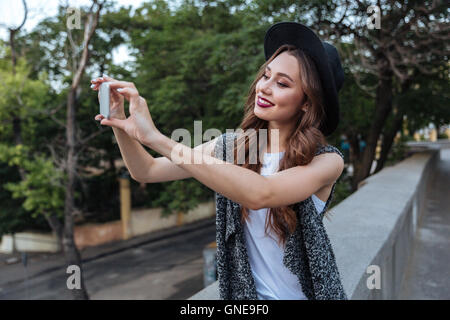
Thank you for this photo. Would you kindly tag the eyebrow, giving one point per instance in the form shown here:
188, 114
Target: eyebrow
281, 74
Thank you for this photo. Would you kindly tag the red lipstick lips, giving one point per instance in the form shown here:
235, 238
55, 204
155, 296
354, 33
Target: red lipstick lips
264, 103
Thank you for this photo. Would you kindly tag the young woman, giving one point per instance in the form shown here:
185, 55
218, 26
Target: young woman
271, 243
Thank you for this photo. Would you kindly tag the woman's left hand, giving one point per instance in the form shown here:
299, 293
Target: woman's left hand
139, 125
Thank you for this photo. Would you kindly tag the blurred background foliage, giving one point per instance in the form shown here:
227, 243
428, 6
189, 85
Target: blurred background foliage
195, 61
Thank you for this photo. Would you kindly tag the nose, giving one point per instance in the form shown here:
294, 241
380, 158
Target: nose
265, 87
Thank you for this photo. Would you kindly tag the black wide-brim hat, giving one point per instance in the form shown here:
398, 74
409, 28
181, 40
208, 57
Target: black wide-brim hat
325, 57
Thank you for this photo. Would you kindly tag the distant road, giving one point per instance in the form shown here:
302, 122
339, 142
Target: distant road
170, 268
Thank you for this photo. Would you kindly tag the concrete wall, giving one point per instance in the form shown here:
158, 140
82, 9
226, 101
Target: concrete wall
93, 234
142, 221
148, 220
375, 226
29, 242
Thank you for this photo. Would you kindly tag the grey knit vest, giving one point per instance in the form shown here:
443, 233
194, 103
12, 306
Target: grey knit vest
308, 252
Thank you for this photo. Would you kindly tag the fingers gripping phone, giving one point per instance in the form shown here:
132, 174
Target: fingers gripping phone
104, 99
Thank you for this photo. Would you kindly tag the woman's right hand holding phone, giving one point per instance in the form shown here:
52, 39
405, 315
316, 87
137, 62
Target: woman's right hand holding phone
116, 107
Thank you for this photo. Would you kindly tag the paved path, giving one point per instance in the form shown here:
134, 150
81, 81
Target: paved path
428, 275
163, 265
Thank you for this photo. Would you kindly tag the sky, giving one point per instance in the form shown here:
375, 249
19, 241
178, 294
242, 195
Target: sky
12, 12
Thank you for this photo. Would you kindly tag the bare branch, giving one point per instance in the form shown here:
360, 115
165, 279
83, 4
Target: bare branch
358, 69
345, 12
25, 15
402, 76
74, 49
3, 25
61, 124
50, 113
90, 27
370, 90
60, 163
428, 11
360, 50
93, 135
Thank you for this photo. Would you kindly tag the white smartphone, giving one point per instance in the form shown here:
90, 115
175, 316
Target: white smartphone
104, 99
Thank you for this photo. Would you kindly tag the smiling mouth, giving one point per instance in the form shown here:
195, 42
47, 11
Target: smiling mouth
264, 103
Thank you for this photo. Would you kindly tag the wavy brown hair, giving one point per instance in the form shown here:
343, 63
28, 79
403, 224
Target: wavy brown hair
303, 141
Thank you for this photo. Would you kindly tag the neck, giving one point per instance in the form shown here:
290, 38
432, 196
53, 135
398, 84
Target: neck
277, 137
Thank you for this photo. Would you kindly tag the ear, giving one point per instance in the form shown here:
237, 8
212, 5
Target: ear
304, 104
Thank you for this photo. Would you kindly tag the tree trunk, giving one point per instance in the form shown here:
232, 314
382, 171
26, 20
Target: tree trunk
70, 249
354, 155
397, 126
17, 130
388, 140
438, 128
71, 252
57, 227
383, 106
12, 33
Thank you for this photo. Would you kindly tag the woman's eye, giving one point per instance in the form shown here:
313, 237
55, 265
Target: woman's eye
281, 84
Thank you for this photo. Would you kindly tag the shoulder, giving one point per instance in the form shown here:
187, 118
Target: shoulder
330, 161
328, 148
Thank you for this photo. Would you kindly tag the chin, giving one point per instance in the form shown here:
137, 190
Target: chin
261, 115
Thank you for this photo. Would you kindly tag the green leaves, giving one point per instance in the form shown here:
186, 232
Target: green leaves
183, 195
43, 187
193, 61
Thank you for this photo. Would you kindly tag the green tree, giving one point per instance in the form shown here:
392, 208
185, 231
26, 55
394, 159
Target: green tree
21, 98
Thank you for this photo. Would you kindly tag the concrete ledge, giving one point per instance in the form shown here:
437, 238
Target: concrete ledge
211, 292
375, 226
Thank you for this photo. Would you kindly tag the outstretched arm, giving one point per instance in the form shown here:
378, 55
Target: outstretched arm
247, 187
239, 184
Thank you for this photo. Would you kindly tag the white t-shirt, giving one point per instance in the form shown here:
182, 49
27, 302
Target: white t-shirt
273, 280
